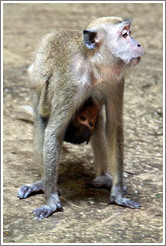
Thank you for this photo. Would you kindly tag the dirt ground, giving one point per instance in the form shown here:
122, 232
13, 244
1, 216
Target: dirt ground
86, 217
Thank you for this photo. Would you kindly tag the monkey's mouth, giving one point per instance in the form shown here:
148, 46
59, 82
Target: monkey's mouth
134, 61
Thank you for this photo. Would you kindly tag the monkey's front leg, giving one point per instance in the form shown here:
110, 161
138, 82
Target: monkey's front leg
114, 133
98, 142
51, 152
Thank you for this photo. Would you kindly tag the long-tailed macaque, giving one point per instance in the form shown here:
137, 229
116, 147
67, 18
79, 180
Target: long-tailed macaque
69, 67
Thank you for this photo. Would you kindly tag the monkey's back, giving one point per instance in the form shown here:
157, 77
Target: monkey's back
53, 52
54, 67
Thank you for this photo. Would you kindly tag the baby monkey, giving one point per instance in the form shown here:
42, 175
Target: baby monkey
82, 125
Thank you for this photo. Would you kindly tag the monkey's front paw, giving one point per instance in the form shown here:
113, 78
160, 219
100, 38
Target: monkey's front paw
45, 211
25, 191
125, 202
103, 181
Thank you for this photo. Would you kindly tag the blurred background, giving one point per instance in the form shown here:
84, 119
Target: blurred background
86, 217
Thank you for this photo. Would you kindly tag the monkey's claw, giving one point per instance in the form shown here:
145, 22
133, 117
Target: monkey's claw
45, 211
30, 189
125, 202
24, 191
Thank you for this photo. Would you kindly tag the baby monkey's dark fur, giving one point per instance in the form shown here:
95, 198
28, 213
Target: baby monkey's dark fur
82, 125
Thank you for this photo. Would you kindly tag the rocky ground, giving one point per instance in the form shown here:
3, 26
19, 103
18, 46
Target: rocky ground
86, 217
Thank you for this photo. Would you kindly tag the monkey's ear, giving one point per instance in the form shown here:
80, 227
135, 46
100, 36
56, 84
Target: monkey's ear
90, 39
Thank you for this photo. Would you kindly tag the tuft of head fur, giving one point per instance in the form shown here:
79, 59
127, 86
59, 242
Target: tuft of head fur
104, 20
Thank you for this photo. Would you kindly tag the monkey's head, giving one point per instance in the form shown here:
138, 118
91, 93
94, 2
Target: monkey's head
82, 126
110, 42
86, 118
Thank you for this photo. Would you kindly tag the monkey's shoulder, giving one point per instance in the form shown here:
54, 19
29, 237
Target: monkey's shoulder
61, 37
57, 47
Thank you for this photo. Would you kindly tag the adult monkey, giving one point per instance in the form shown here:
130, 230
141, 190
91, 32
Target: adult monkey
69, 67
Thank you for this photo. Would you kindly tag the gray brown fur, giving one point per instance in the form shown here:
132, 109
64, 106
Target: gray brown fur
67, 70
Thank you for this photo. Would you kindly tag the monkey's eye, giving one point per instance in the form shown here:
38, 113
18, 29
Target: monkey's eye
91, 123
124, 34
83, 118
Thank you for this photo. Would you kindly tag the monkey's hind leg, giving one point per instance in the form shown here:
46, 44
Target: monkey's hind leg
30, 189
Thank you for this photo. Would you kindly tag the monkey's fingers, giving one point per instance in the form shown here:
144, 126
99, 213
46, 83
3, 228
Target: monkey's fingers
25, 191
125, 202
45, 211
30, 189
